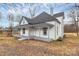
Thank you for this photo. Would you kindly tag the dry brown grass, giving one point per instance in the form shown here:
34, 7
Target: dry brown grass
11, 46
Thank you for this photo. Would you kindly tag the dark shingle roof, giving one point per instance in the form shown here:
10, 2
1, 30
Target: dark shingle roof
42, 25
58, 14
42, 18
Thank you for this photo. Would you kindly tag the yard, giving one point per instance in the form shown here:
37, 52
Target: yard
9, 46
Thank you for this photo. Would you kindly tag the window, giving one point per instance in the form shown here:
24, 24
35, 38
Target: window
44, 31
23, 30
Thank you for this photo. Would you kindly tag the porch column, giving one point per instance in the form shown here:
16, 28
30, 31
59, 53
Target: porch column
55, 30
29, 33
21, 31
48, 32
39, 32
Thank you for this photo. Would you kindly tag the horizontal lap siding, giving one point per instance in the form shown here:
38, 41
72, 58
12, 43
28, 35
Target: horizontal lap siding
26, 32
52, 31
39, 35
61, 27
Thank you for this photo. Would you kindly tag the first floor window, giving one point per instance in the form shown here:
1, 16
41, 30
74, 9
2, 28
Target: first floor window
44, 31
23, 30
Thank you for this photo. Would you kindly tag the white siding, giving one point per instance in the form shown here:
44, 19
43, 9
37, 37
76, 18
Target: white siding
38, 33
53, 31
42, 35
24, 21
26, 32
61, 26
52, 34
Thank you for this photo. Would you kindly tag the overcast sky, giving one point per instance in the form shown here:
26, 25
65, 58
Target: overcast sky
23, 10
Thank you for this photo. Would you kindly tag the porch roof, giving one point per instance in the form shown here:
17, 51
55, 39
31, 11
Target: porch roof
41, 25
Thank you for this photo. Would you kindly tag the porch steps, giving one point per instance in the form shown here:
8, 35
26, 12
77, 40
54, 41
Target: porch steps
22, 37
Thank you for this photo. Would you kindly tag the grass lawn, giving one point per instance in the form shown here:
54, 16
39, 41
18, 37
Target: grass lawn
10, 46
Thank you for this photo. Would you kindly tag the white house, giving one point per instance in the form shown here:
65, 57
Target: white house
42, 27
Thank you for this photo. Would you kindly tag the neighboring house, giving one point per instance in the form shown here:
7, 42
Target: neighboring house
42, 27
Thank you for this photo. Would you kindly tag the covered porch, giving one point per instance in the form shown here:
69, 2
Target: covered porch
35, 31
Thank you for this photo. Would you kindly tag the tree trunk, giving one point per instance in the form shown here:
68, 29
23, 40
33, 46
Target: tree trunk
76, 23
11, 28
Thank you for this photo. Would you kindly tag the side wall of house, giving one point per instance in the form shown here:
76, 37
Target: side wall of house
61, 26
54, 31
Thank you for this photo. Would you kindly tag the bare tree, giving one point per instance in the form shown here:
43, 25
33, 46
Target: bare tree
74, 15
0, 15
18, 18
51, 7
11, 20
33, 9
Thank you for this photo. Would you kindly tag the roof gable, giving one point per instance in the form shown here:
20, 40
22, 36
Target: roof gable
24, 19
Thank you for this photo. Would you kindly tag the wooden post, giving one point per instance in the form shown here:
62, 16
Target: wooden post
48, 32
39, 32
29, 32
55, 31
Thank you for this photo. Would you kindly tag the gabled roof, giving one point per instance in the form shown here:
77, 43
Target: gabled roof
26, 18
42, 18
58, 14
